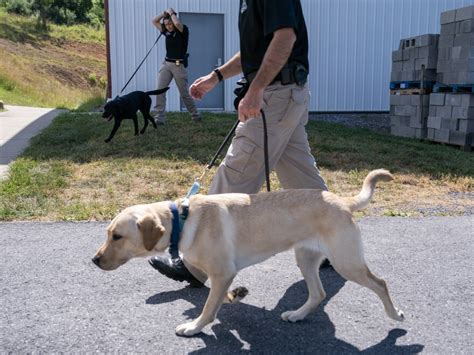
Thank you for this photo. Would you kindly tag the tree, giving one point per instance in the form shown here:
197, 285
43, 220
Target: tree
62, 11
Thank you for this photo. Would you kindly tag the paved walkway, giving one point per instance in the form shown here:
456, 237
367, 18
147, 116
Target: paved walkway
17, 126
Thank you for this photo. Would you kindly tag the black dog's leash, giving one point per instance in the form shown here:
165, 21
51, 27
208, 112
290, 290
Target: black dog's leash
240, 93
154, 44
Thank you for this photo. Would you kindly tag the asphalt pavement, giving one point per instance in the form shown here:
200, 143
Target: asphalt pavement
54, 300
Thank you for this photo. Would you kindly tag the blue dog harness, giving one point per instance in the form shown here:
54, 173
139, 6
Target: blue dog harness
178, 219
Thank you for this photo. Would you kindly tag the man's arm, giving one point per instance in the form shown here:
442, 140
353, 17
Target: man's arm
206, 83
275, 58
157, 22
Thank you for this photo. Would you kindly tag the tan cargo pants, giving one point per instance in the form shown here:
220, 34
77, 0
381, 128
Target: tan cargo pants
243, 169
167, 72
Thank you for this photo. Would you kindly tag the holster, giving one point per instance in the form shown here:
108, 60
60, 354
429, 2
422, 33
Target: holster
185, 60
240, 91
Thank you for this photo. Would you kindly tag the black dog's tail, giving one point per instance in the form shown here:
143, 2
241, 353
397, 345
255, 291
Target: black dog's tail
157, 92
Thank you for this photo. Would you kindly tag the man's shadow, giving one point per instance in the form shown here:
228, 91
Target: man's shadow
246, 328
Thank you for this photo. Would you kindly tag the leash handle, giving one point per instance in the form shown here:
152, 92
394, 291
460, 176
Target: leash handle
154, 44
265, 150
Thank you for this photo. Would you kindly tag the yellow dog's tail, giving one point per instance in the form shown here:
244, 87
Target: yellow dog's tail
363, 198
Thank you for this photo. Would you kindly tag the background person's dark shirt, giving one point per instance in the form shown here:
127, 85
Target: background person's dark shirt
259, 19
176, 43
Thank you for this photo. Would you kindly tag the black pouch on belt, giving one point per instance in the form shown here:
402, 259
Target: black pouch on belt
185, 60
240, 91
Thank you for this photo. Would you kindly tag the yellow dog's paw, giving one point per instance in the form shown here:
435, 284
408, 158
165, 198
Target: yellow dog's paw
236, 295
188, 329
292, 316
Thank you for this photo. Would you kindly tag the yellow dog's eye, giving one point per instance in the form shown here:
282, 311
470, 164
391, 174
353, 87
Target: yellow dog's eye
116, 237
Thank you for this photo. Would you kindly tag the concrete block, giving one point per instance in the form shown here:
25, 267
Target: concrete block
467, 101
408, 65
414, 53
453, 99
427, 40
444, 111
456, 53
394, 120
466, 126
444, 53
397, 56
467, 52
416, 122
463, 65
421, 133
401, 46
448, 29
464, 77
467, 26
463, 112
428, 52
465, 13
464, 40
437, 99
397, 66
445, 123
430, 133
446, 41
432, 110
406, 54
434, 122
396, 76
443, 66
429, 63
459, 138
402, 131
442, 135
417, 100
448, 17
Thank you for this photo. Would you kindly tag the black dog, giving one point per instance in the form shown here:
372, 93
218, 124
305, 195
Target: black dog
127, 106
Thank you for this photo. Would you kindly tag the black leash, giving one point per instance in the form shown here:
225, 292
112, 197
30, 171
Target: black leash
154, 44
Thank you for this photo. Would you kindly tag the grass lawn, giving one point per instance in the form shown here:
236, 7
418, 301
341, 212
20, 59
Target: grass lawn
69, 173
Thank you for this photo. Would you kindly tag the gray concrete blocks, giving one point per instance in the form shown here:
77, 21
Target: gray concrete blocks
456, 47
451, 118
409, 115
412, 55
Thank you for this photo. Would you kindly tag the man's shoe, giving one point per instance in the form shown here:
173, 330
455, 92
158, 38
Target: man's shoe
174, 269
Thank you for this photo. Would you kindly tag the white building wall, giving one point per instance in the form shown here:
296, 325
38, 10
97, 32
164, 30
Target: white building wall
350, 45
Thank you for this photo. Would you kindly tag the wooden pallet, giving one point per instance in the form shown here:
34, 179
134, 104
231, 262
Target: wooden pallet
404, 85
455, 88
411, 91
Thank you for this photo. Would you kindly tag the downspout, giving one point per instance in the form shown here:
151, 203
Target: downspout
107, 45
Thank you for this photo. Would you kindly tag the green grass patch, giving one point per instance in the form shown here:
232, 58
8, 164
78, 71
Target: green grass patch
69, 173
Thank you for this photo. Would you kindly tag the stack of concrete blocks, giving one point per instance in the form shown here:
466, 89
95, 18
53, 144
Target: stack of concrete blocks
451, 119
408, 111
456, 47
411, 55
409, 115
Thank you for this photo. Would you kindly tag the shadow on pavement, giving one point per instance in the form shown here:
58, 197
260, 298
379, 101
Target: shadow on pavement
246, 328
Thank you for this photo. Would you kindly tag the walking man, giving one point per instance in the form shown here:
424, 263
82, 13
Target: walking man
175, 63
274, 59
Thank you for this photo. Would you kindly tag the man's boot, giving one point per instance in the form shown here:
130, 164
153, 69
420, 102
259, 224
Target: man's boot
174, 268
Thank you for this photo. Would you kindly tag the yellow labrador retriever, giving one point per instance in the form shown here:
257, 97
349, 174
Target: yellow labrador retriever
225, 233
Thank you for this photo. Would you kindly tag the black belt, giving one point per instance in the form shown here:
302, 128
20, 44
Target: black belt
290, 78
176, 61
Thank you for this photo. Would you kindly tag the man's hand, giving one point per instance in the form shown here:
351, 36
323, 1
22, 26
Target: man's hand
203, 85
170, 11
251, 104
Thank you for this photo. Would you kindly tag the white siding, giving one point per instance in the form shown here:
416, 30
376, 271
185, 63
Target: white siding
350, 45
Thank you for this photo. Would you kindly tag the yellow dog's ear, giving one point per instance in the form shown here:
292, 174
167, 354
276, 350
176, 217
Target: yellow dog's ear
151, 230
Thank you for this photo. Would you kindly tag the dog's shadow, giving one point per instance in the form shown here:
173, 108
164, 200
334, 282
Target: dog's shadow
244, 327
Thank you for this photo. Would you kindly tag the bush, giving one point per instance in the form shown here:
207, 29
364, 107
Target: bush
20, 7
